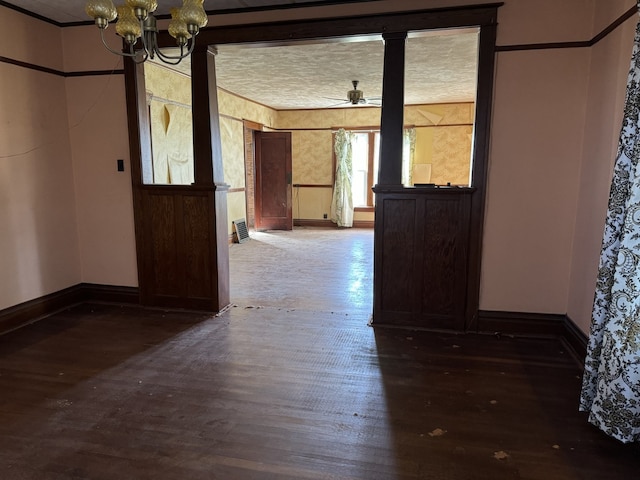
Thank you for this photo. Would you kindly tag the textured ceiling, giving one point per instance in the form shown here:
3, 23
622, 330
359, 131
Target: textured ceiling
441, 68
441, 65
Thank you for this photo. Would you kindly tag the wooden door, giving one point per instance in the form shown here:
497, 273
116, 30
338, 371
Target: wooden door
273, 181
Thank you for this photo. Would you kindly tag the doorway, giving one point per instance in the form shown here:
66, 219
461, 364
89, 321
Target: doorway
483, 17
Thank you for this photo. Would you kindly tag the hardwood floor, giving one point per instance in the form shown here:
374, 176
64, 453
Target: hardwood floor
290, 383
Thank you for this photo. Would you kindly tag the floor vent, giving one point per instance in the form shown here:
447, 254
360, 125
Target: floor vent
242, 234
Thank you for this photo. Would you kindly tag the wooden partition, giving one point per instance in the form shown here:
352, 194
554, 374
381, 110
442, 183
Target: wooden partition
181, 230
421, 256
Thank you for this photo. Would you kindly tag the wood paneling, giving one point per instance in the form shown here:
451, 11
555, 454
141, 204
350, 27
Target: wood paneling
397, 253
180, 260
421, 257
197, 246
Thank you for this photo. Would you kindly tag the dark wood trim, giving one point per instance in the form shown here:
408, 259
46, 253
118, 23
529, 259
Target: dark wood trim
392, 114
578, 44
310, 185
59, 73
303, 222
542, 46
110, 293
482, 134
290, 31
30, 14
31, 66
575, 339
519, 323
615, 24
33, 310
95, 73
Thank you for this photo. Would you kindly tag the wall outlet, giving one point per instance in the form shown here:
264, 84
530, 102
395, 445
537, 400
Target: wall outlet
324, 216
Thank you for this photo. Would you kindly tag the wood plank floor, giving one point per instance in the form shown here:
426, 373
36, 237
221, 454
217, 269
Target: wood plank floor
289, 384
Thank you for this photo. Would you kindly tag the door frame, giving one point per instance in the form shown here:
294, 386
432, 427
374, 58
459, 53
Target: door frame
483, 16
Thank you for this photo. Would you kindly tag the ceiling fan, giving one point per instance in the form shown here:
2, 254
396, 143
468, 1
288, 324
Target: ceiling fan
356, 97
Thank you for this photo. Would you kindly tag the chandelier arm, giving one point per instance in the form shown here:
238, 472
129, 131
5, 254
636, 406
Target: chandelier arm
122, 54
147, 50
182, 55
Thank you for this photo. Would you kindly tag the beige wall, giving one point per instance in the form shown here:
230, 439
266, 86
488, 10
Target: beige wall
38, 237
608, 73
549, 154
537, 150
98, 134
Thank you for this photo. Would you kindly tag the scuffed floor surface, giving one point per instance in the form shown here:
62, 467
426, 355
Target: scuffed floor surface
290, 384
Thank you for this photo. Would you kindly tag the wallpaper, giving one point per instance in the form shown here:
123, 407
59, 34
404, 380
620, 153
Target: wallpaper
232, 137
450, 161
239, 108
312, 158
236, 208
169, 100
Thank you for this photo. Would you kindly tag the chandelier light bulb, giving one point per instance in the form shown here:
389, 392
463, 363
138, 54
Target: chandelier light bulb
102, 11
142, 8
128, 26
193, 15
136, 21
178, 28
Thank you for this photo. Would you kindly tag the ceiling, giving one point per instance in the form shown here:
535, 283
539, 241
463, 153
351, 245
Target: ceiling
441, 66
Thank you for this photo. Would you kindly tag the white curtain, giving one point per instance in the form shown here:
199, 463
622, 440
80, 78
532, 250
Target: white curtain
408, 156
611, 382
342, 202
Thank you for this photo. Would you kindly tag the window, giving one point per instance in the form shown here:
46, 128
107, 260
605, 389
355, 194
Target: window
365, 149
365, 155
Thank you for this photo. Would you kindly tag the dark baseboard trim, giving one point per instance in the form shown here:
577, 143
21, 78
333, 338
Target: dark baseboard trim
538, 325
301, 222
506, 323
575, 339
33, 310
110, 293
518, 323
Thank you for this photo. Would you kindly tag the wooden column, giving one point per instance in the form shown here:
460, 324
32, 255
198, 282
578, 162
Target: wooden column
207, 150
392, 120
181, 230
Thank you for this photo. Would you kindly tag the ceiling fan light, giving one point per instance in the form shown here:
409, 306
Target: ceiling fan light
193, 14
128, 26
178, 28
102, 11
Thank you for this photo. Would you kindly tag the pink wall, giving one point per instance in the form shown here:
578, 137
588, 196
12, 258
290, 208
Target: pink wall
608, 74
536, 147
98, 134
38, 239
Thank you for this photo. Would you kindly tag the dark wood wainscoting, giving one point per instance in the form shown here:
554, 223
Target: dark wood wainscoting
179, 232
421, 257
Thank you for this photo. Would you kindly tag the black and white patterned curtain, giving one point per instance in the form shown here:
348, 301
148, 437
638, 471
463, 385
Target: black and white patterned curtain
611, 383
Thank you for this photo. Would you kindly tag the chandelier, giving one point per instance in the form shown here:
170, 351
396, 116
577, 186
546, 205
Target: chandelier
136, 21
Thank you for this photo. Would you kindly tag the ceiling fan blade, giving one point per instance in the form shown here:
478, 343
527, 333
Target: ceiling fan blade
336, 99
